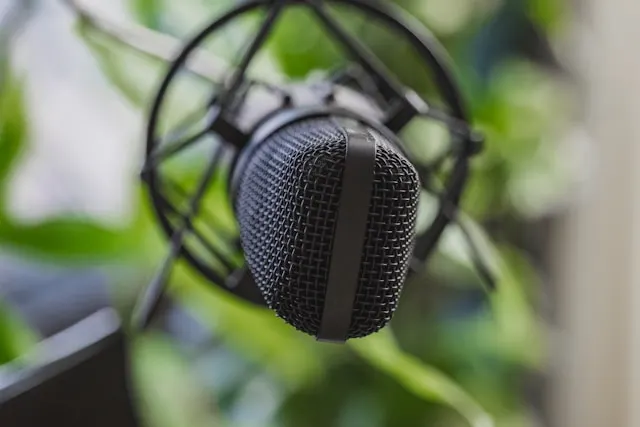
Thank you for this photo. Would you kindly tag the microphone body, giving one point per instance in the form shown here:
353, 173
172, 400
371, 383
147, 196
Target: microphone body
326, 208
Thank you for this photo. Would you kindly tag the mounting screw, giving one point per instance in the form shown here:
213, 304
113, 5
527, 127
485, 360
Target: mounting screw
476, 142
330, 97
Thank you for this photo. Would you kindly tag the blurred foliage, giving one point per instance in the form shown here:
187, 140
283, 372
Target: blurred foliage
16, 338
522, 114
180, 400
82, 237
454, 347
382, 352
550, 15
12, 130
148, 12
286, 354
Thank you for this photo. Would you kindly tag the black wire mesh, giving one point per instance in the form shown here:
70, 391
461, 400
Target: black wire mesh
287, 209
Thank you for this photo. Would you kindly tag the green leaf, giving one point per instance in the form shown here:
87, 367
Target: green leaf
13, 131
16, 339
61, 237
179, 400
300, 45
254, 332
137, 77
426, 382
550, 15
148, 12
518, 329
74, 239
524, 112
133, 74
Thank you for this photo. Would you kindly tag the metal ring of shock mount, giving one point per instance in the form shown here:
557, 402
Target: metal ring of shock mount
407, 105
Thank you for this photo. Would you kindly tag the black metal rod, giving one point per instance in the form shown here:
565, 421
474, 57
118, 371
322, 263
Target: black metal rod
222, 259
368, 85
150, 301
367, 59
479, 264
163, 154
260, 38
210, 220
151, 297
456, 126
187, 123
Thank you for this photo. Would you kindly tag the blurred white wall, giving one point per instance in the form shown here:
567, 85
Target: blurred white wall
597, 380
84, 139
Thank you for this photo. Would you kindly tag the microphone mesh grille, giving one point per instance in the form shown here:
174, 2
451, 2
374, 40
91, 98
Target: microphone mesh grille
287, 209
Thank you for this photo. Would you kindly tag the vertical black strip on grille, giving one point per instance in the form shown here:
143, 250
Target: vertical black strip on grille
349, 238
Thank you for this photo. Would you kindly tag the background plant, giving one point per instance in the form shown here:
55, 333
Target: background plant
454, 355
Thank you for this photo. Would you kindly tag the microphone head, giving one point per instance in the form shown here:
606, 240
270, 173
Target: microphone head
288, 204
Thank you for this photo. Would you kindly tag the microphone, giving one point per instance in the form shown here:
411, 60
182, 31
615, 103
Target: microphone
327, 210
324, 192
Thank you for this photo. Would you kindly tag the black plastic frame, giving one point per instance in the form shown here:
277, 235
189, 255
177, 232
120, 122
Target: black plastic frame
64, 379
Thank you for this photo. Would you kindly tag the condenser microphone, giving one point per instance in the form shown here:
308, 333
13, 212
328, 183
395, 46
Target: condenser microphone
324, 191
327, 210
